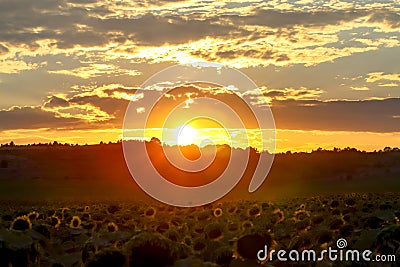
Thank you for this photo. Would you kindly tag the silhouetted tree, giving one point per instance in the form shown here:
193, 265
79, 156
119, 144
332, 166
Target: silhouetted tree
155, 140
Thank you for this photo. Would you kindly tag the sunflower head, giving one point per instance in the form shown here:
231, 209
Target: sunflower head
54, 221
21, 223
277, 216
214, 231
254, 211
150, 212
75, 222
217, 212
112, 227
246, 225
33, 215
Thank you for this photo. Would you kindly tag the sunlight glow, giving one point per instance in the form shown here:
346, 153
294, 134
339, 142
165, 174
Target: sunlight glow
186, 135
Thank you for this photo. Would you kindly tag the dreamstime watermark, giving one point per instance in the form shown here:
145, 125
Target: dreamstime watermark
331, 254
184, 94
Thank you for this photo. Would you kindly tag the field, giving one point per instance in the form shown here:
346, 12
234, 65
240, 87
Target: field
92, 214
222, 234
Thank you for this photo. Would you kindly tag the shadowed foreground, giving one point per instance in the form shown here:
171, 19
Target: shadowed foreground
78, 206
221, 234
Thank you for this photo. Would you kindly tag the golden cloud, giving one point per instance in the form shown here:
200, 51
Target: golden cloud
378, 76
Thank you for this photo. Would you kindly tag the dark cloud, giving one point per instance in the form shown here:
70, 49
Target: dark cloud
32, 118
280, 19
46, 117
157, 30
274, 93
282, 57
113, 106
366, 115
391, 18
56, 102
120, 90
59, 21
54, 18
82, 1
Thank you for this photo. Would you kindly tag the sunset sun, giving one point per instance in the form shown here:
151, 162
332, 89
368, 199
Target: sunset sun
186, 135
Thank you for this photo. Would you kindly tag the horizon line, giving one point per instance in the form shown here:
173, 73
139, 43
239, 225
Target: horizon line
105, 143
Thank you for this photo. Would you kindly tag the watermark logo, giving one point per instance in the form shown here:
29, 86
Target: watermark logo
208, 105
341, 243
331, 254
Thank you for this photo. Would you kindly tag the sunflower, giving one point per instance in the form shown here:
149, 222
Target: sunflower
150, 212
232, 209
112, 227
232, 226
86, 216
247, 225
33, 215
162, 227
54, 221
278, 216
217, 212
254, 211
63, 213
75, 222
199, 244
214, 231
21, 223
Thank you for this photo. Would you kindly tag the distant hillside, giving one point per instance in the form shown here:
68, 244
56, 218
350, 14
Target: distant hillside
100, 172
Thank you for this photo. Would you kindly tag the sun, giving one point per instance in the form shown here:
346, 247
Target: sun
186, 135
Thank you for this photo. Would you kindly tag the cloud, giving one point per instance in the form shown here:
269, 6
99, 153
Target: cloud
275, 94
97, 108
301, 93
240, 34
378, 76
33, 118
360, 88
15, 66
55, 101
288, 19
105, 104
388, 85
85, 112
390, 18
295, 109
341, 115
96, 70
3, 49
158, 30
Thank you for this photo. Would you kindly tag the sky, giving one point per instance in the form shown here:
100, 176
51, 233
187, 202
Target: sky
329, 70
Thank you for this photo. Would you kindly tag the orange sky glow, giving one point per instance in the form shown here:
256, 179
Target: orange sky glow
330, 76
